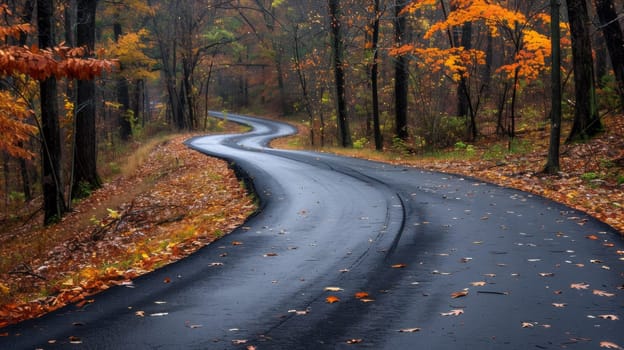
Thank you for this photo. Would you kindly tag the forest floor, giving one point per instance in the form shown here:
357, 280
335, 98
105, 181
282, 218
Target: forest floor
172, 203
175, 201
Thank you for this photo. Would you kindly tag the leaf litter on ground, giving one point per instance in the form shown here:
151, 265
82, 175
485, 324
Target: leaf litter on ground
175, 202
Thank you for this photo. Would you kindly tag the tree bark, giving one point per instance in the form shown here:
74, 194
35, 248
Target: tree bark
85, 173
552, 163
53, 201
614, 38
337, 49
375, 76
586, 121
400, 74
123, 95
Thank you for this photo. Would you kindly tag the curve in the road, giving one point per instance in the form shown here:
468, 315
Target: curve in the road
445, 262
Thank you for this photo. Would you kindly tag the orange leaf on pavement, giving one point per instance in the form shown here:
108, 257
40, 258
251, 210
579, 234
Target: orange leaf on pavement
361, 295
332, 299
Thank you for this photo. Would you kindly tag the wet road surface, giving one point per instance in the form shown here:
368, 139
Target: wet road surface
443, 262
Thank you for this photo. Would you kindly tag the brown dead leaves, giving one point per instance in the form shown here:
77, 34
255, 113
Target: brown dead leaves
177, 201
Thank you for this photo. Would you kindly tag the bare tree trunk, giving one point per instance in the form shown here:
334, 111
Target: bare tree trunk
337, 48
375, 76
85, 173
586, 121
303, 83
614, 38
123, 96
53, 201
552, 163
400, 74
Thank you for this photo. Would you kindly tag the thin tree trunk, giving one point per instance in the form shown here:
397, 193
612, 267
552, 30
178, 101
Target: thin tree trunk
303, 83
400, 74
85, 176
375, 77
514, 93
501, 129
53, 201
26, 188
337, 48
123, 95
552, 163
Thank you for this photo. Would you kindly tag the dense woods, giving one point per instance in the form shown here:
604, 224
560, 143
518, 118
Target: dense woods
84, 77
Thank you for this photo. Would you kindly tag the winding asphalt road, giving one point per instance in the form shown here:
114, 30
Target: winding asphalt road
526, 274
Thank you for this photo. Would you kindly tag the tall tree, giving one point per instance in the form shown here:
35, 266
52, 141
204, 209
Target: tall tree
552, 163
400, 72
374, 74
586, 120
123, 93
53, 201
614, 38
85, 176
339, 74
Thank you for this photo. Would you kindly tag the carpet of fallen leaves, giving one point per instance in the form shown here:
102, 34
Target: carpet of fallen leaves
591, 178
176, 202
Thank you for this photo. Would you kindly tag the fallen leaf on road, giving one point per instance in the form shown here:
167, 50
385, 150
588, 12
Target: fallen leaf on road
399, 266
167, 280
237, 243
239, 341
74, 340
610, 345
609, 317
367, 300
559, 304
332, 299
140, 313
361, 295
592, 237
409, 330
602, 293
270, 254
489, 275
581, 285
298, 312
354, 341
455, 312
528, 324
459, 294
478, 284
159, 314
333, 289
546, 274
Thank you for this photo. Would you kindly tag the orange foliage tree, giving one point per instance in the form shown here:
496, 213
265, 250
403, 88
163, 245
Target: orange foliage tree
519, 27
44, 65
